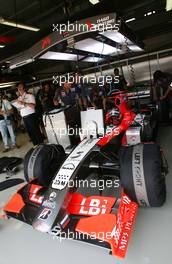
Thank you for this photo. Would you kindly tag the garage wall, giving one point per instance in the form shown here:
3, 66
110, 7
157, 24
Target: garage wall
141, 69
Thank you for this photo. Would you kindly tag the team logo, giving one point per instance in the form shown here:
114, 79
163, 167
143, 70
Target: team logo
45, 214
68, 166
45, 42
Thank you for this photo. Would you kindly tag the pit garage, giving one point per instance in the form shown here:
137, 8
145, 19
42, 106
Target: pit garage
85, 131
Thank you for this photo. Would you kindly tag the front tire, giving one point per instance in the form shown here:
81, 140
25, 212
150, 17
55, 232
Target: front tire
141, 174
42, 162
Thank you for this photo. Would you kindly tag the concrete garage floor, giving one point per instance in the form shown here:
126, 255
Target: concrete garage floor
149, 244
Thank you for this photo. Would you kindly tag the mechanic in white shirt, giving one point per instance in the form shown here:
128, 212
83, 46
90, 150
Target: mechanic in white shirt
26, 105
6, 124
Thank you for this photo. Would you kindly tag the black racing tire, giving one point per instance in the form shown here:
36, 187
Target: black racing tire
141, 174
42, 162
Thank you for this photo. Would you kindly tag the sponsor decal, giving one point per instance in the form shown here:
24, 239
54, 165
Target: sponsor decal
45, 214
124, 226
34, 197
88, 25
95, 207
68, 166
137, 166
77, 155
138, 176
45, 42
74, 159
50, 203
65, 34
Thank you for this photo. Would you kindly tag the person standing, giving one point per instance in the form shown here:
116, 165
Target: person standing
66, 96
46, 96
26, 105
98, 97
6, 124
162, 87
81, 89
119, 81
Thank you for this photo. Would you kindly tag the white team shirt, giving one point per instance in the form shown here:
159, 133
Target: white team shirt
27, 98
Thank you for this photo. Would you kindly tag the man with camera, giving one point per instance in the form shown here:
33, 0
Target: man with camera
6, 126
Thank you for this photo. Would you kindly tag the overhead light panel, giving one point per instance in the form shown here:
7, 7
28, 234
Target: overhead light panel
169, 5
91, 45
2, 46
21, 63
130, 20
150, 13
116, 36
8, 84
17, 25
51, 55
94, 2
92, 59
135, 48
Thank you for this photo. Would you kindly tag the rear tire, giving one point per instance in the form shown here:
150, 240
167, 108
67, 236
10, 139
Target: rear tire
42, 162
141, 174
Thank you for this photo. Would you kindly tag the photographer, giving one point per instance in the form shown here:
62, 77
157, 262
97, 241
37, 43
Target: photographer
6, 124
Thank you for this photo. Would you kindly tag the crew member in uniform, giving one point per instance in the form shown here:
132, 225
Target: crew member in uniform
67, 96
122, 84
26, 105
81, 89
98, 97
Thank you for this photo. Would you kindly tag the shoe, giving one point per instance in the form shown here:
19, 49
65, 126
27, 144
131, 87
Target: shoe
15, 146
6, 150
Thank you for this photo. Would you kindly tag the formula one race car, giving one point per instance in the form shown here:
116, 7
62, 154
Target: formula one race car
52, 202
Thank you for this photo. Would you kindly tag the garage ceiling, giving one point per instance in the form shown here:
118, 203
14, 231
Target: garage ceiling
154, 30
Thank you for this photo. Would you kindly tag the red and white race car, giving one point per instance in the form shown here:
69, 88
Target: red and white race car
52, 202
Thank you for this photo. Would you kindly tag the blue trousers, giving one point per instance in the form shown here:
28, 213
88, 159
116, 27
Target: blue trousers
5, 127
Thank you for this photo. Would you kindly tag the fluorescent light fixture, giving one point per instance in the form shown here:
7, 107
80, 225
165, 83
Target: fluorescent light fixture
131, 19
135, 48
17, 25
8, 84
2, 46
21, 63
91, 45
92, 59
169, 5
150, 13
116, 36
94, 2
51, 55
